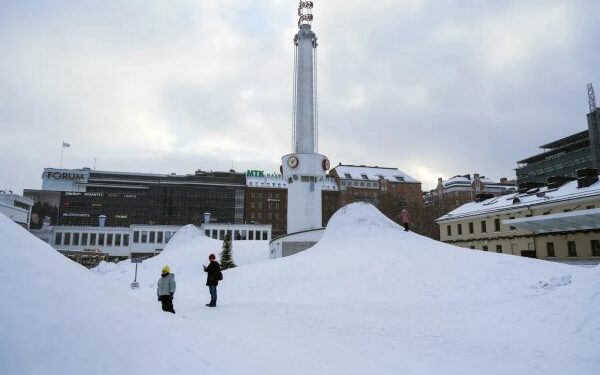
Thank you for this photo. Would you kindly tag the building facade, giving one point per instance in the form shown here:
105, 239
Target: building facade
454, 192
563, 157
89, 245
78, 197
16, 207
558, 222
388, 189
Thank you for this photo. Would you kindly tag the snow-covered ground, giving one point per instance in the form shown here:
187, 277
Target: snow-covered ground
369, 298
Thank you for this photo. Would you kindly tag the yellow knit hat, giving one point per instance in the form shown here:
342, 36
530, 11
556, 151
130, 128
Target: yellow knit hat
166, 269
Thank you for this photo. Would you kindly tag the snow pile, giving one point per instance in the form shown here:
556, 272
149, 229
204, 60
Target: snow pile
368, 298
57, 317
185, 254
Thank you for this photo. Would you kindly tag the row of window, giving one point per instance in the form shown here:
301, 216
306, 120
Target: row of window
259, 205
253, 235
471, 226
91, 239
259, 215
572, 248
360, 184
485, 248
145, 236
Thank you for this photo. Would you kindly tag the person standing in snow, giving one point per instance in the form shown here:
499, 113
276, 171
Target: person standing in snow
213, 276
165, 289
405, 218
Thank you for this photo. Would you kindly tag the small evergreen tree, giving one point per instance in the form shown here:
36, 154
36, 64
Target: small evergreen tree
226, 255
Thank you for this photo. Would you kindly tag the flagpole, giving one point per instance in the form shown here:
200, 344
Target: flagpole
62, 148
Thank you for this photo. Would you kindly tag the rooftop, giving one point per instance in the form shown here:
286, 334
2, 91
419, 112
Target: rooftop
534, 197
363, 172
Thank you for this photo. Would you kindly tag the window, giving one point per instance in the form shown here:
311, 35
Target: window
118, 239
168, 235
347, 175
498, 248
399, 178
84, 239
206, 233
159, 236
67, 239
364, 176
497, 225
259, 215
459, 229
484, 248
75, 239
471, 230
595, 245
92, 239
511, 227
472, 247
152, 237
126, 240
57, 238
265, 235
101, 239
136, 236
221, 234
572, 248
251, 235
550, 249
109, 239
483, 226
144, 236
449, 230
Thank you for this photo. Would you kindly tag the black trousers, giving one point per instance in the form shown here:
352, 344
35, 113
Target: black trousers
406, 227
167, 304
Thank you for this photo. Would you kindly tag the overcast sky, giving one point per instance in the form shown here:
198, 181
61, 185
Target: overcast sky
435, 88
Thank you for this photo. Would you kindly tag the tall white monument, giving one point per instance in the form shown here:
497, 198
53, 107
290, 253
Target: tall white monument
304, 169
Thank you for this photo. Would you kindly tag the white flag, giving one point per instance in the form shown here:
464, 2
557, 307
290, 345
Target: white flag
65, 144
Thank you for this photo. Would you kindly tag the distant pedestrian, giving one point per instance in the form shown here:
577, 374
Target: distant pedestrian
165, 289
405, 217
213, 276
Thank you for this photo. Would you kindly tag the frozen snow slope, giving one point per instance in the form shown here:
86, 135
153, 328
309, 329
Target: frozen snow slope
368, 299
56, 317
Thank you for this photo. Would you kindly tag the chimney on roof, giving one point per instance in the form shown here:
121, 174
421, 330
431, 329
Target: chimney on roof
586, 177
554, 182
503, 180
102, 221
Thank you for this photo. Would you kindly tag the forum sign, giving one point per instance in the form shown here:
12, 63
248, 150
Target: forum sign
73, 180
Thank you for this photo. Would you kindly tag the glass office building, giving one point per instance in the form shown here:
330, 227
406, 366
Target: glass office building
562, 157
81, 197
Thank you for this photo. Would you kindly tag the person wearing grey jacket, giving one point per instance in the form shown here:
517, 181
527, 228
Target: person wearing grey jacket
165, 290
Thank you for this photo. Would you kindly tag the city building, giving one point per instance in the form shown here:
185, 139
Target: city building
454, 192
561, 158
389, 189
16, 207
79, 196
560, 221
89, 245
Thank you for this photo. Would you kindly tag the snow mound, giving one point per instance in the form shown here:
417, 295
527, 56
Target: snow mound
186, 253
361, 219
59, 318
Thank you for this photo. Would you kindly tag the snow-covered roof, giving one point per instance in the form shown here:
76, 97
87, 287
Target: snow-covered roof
533, 197
353, 172
466, 181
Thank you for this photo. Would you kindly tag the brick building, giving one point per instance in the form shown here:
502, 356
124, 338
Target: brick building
389, 189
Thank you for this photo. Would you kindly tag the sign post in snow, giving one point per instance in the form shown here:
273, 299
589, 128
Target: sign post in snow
135, 283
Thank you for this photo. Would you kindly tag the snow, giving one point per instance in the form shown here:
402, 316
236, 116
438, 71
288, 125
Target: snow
373, 173
368, 298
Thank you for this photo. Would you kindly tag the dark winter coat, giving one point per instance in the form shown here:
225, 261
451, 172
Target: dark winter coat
213, 271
